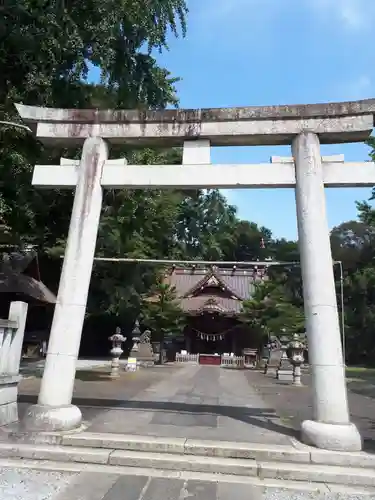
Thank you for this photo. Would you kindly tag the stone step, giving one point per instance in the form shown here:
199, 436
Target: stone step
224, 449
245, 467
295, 489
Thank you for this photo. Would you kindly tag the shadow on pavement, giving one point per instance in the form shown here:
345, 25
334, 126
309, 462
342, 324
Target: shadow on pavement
259, 417
362, 388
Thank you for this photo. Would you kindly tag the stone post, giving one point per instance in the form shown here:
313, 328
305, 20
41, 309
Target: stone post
297, 375
54, 410
331, 428
117, 340
11, 338
296, 348
18, 314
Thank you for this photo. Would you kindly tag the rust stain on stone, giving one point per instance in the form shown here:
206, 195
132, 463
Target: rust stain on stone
196, 116
90, 164
127, 116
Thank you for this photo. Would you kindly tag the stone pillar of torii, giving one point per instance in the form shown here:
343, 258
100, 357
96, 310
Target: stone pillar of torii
302, 127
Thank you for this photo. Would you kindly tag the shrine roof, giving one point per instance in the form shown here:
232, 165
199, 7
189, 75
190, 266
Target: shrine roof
12, 282
16, 281
240, 282
211, 304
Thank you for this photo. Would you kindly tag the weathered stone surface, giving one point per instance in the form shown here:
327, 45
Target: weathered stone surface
331, 436
11, 340
196, 176
51, 418
124, 461
97, 484
317, 473
126, 442
285, 375
221, 449
246, 450
333, 109
91, 486
257, 125
344, 459
243, 133
56, 453
159, 488
187, 463
320, 305
28, 484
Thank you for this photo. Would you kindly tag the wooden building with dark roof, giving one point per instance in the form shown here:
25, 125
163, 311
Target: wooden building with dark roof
20, 281
211, 298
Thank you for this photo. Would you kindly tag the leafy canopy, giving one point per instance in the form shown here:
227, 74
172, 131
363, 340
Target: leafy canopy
162, 313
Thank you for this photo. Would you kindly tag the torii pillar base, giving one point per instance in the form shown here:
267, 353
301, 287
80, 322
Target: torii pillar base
43, 418
333, 437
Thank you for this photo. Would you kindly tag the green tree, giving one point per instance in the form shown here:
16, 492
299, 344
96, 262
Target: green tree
244, 243
162, 313
46, 53
134, 224
352, 242
272, 312
359, 294
205, 225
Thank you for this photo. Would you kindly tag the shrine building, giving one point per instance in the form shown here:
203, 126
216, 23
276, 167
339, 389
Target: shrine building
212, 298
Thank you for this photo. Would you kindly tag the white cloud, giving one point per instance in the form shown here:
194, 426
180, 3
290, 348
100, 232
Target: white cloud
352, 14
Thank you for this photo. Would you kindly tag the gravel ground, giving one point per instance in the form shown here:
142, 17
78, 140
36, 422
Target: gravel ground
282, 494
28, 484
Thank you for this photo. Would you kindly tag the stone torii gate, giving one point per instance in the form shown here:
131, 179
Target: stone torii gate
303, 127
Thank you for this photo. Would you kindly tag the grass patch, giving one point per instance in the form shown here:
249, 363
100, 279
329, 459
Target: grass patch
92, 375
360, 373
102, 374
97, 374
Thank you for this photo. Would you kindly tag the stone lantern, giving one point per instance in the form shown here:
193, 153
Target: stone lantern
136, 336
296, 349
285, 370
117, 340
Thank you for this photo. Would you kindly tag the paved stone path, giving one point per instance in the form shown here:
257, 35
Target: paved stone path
201, 402
293, 404
94, 391
174, 401
29, 484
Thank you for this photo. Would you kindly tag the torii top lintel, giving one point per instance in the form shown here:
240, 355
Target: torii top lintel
256, 125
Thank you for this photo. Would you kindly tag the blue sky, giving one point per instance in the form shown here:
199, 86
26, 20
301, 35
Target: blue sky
260, 52
265, 52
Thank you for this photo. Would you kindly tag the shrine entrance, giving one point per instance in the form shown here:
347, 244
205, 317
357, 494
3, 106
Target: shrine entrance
210, 343
211, 298
213, 333
304, 127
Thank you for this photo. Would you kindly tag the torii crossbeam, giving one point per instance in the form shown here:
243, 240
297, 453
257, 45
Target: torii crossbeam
304, 127
278, 174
